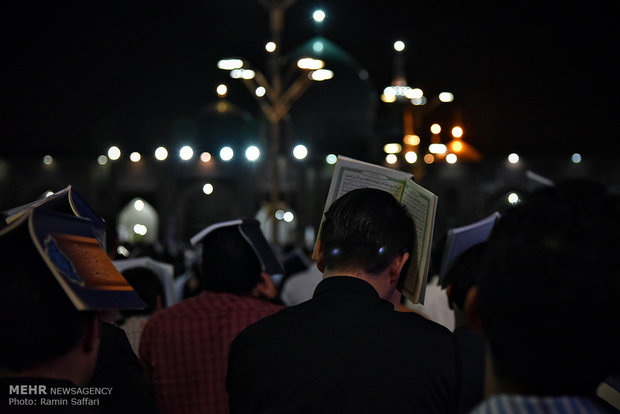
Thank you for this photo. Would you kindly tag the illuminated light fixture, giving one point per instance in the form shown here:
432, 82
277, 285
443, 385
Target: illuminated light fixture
411, 157
331, 159
416, 93
300, 152
411, 140
48, 160
135, 156
114, 153
429, 158
513, 158
399, 45
437, 149
318, 46
457, 132
161, 153
122, 250
227, 154
446, 97
221, 90
102, 160
242, 74
318, 16
279, 214
392, 148
288, 216
435, 129
418, 102
252, 153
230, 64
513, 198
138, 205
140, 229
451, 158
388, 98
271, 47
207, 188
260, 91
310, 63
186, 153
576, 158
456, 146
321, 75
205, 157
391, 158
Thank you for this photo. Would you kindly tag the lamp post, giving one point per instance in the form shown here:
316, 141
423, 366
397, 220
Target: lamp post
275, 99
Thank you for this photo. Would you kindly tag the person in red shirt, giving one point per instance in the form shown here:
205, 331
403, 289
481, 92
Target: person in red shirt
184, 348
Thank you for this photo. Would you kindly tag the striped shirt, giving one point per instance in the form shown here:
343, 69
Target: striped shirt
519, 404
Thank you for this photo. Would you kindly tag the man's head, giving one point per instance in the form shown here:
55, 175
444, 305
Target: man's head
39, 323
548, 296
229, 264
365, 230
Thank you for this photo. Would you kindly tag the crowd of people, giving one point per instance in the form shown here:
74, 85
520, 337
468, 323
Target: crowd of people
531, 331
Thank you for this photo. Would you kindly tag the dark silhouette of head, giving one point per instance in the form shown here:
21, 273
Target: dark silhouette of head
365, 229
229, 264
549, 291
39, 321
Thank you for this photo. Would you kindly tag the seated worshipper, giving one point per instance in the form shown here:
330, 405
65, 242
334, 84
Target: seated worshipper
457, 282
48, 312
347, 350
547, 302
184, 348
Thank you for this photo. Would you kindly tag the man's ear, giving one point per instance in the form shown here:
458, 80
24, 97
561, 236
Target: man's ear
472, 313
397, 266
319, 256
265, 287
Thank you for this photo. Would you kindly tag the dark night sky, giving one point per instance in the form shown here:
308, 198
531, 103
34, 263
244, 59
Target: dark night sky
526, 76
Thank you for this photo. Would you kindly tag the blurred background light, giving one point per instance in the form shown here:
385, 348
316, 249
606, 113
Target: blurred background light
205, 157
207, 188
227, 153
513, 158
318, 16
186, 153
399, 45
161, 153
331, 159
114, 153
446, 97
135, 156
411, 157
300, 152
252, 153
391, 158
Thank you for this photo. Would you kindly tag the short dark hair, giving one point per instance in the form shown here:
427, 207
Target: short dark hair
366, 229
549, 290
39, 322
148, 286
229, 263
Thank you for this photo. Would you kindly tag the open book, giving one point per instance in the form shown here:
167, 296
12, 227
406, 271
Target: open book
350, 174
66, 201
459, 239
251, 232
74, 257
